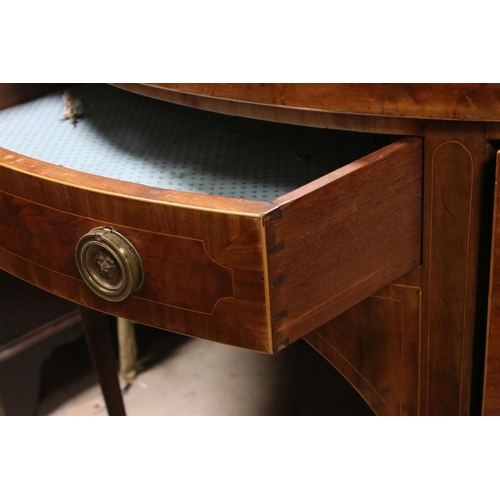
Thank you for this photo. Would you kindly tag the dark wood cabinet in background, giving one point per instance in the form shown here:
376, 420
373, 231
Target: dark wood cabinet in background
32, 324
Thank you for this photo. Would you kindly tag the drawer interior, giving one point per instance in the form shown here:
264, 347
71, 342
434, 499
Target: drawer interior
251, 233
132, 138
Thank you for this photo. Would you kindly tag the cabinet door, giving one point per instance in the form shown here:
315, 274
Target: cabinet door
491, 394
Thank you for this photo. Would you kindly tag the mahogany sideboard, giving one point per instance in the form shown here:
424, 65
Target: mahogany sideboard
358, 217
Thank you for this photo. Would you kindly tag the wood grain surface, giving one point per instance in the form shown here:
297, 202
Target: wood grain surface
491, 392
451, 101
426, 325
375, 345
46, 218
283, 114
214, 271
16, 93
457, 161
343, 237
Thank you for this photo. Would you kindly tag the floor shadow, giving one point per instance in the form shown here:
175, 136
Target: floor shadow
297, 381
305, 384
69, 370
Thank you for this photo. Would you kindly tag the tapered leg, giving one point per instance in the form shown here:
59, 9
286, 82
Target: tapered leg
97, 334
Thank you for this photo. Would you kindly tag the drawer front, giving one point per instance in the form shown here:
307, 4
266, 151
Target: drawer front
204, 272
253, 274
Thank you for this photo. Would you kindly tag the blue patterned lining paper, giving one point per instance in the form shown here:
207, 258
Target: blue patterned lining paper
138, 139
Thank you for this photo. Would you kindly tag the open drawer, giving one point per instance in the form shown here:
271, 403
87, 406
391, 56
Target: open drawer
248, 233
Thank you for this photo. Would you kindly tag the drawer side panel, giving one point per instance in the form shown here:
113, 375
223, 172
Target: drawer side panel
344, 237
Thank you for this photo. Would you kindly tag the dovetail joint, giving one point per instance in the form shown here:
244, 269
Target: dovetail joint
281, 280
283, 344
277, 248
275, 215
277, 317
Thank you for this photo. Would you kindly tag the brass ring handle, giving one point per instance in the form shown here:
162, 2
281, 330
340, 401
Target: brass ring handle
109, 264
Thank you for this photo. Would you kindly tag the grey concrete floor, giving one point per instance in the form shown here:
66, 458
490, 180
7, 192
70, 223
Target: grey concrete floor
184, 376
